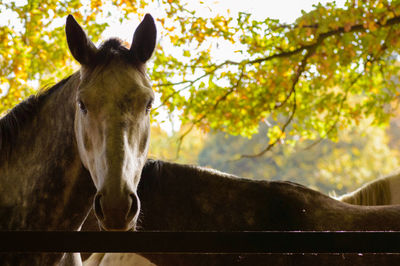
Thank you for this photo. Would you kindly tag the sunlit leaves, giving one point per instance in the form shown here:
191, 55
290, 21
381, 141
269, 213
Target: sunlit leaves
33, 49
329, 70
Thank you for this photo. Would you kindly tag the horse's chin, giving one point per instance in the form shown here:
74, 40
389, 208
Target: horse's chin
130, 227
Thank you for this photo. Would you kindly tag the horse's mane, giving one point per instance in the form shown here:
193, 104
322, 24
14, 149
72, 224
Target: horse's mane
157, 169
376, 192
18, 117
154, 171
151, 168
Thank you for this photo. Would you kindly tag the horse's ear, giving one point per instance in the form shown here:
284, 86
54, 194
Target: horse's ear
81, 47
144, 39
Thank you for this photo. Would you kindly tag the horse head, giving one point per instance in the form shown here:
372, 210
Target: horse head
112, 124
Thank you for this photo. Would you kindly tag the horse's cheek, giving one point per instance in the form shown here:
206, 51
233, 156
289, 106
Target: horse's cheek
144, 139
83, 143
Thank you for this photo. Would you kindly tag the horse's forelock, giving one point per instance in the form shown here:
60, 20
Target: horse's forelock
112, 50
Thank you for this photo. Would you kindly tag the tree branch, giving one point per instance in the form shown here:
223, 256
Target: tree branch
223, 97
310, 50
321, 37
338, 113
299, 72
191, 82
272, 144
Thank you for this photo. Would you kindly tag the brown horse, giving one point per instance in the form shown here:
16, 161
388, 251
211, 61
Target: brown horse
179, 197
90, 128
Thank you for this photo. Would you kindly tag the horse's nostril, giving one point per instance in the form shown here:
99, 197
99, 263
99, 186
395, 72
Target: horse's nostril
97, 207
133, 209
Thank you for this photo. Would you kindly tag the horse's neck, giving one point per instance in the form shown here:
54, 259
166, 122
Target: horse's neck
394, 183
181, 197
382, 191
37, 138
167, 201
44, 170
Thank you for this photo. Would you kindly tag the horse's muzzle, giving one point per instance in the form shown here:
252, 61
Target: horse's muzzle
116, 212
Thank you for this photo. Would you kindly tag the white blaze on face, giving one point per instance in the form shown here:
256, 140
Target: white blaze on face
116, 123
113, 129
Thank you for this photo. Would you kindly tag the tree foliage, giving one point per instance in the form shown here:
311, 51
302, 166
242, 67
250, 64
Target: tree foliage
330, 69
327, 71
33, 48
163, 146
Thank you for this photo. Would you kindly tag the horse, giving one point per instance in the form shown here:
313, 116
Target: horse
381, 191
117, 259
82, 142
177, 197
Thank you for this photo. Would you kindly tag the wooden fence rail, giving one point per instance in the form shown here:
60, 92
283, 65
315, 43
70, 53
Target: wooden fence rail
201, 242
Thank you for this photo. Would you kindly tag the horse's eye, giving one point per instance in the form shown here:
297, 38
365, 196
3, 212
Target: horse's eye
82, 106
148, 106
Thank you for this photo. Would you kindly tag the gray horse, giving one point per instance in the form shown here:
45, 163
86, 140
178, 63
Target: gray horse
85, 138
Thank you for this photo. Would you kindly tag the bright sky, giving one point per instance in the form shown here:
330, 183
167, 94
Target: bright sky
287, 11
